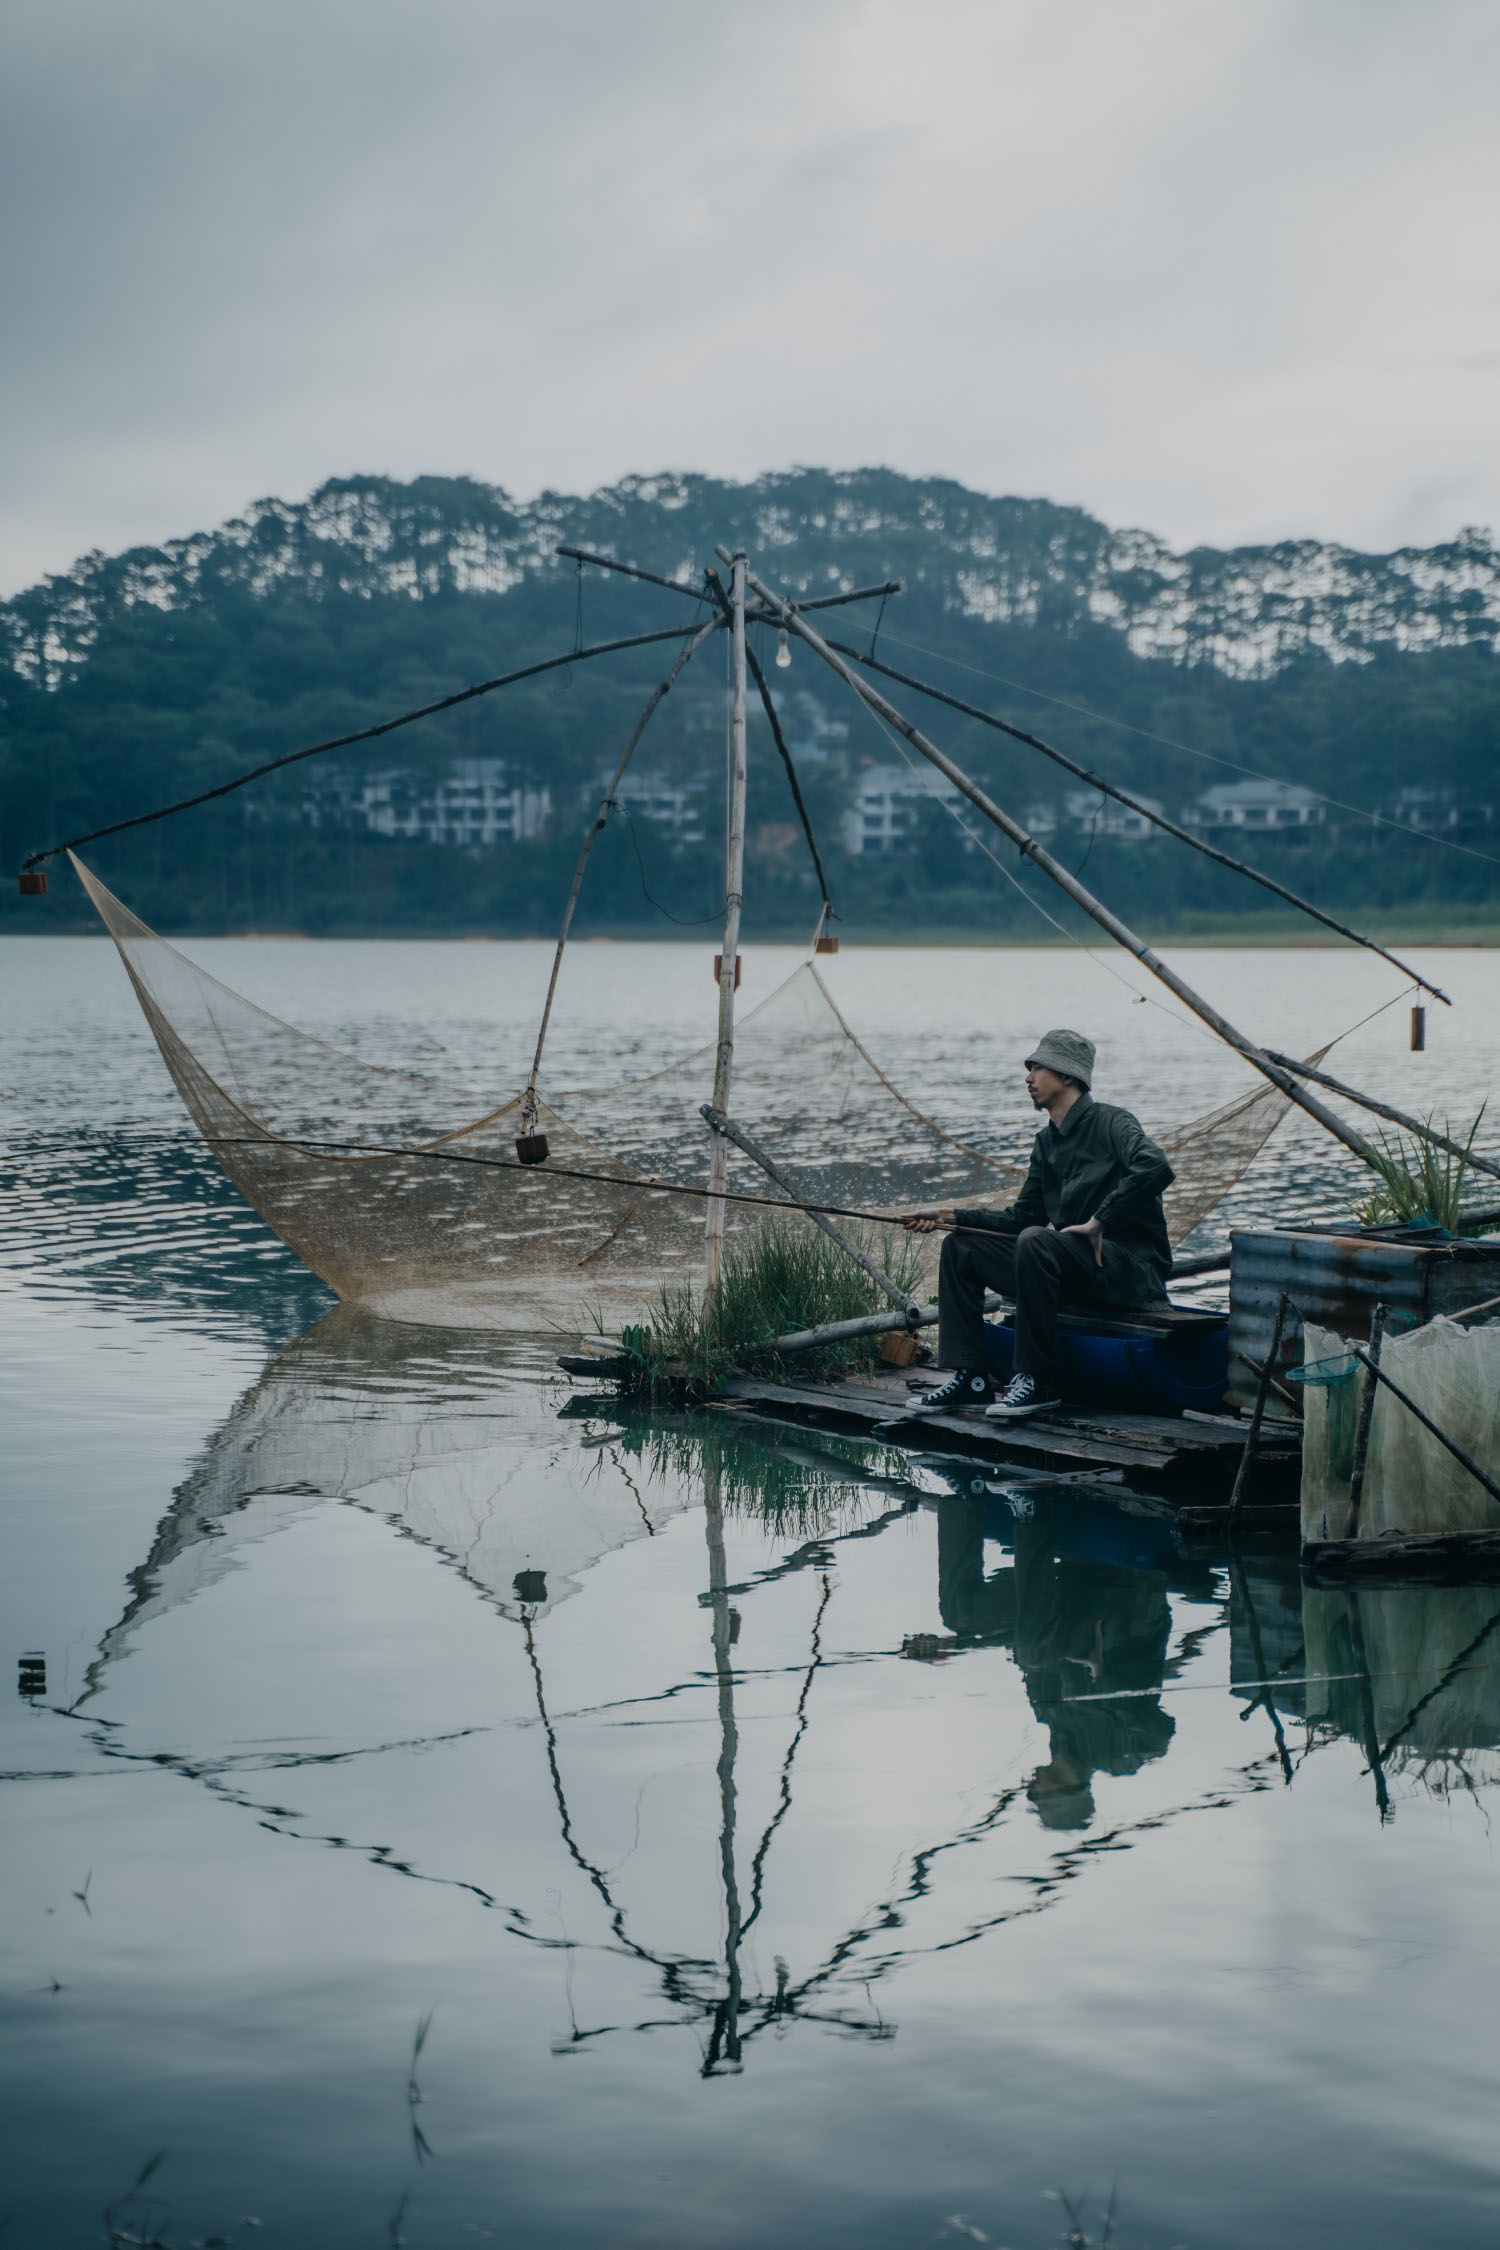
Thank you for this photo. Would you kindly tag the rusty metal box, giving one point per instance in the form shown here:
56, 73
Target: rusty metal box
1337, 1280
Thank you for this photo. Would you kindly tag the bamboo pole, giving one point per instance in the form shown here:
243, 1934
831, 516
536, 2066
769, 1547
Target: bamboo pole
724, 2042
1368, 1727
1257, 1412
682, 586
1139, 805
763, 689
1371, 1363
734, 889
361, 734
1066, 882
1384, 1109
714, 625
757, 1155
715, 587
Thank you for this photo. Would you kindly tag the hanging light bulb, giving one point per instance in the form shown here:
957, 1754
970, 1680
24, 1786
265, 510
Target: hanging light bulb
783, 650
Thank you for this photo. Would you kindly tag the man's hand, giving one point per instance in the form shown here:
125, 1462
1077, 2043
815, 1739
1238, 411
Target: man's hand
926, 1222
1094, 1229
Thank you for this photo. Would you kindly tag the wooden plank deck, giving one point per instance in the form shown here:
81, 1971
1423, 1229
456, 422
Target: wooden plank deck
1154, 1446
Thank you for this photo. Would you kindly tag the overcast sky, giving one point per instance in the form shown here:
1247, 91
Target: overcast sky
1226, 268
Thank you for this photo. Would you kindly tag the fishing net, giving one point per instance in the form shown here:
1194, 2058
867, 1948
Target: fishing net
387, 1185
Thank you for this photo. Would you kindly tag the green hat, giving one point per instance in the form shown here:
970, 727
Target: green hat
1066, 1052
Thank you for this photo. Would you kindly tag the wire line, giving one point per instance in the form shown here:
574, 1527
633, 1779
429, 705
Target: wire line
1168, 742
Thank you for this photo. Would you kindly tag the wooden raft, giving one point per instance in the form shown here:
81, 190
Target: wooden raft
1154, 1446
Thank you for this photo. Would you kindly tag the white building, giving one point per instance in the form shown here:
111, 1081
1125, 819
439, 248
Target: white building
1439, 812
677, 808
1255, 804
474, 802
882, 821
1106, 816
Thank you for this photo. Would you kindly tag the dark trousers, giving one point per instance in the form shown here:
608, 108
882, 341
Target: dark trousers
1040, 1269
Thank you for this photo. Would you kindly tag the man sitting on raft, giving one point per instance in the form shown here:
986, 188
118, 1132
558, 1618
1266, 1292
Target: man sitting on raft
1086, 1229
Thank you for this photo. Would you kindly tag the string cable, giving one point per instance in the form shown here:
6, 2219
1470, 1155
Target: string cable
1190, 750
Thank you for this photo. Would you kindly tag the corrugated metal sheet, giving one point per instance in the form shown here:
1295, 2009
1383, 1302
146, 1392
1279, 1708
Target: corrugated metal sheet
1337, 1280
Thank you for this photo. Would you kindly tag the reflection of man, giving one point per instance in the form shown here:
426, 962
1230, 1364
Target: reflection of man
1088, 1629
1090, 1639
1087, 1226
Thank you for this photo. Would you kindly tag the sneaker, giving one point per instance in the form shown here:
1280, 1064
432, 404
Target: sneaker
1023, 1394
964, 1388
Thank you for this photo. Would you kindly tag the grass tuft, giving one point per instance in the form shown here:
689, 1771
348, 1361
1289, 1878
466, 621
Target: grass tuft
784, 1276
1417, 1181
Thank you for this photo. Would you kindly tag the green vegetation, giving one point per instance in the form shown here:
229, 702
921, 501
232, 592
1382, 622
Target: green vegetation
138, 678
782, 1277
1417, 1181
808, 1489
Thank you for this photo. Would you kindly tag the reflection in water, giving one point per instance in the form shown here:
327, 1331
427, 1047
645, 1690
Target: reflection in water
418, 1426
1080, 1624
437, 1437
143, 1218
1410, 1673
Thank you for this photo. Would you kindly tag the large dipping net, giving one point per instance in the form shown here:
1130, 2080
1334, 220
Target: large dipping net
402, 1200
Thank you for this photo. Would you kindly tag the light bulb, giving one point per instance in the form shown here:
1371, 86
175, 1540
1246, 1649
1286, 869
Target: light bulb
783, 650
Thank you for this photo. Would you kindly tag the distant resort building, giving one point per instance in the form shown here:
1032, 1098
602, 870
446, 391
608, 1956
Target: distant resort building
882, 819
676, 808
1255, 804
1105, 816
1439, 812
478, 802
474, 802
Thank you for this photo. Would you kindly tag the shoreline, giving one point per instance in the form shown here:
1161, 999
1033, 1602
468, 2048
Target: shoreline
1482, 936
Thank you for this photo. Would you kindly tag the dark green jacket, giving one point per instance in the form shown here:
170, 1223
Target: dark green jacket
1098, 1164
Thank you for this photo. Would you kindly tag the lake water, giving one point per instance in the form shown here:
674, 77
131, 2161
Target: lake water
438, 1810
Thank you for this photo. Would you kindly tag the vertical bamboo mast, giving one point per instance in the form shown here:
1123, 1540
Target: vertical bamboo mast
734, 895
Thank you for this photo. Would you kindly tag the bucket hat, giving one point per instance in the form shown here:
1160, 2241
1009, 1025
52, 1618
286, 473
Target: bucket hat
1066, 1052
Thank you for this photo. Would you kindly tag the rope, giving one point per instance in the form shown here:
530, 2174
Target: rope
307, 1144
683, 921
361, 734
699, 633
982, 844
1144, 807
1144, 999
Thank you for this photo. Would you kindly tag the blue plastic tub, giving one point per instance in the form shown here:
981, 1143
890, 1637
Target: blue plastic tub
1129, 1374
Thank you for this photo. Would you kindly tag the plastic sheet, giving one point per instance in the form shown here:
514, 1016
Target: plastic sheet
1412, 1483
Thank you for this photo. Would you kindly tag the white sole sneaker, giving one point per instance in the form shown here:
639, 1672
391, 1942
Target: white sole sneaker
1000, 1412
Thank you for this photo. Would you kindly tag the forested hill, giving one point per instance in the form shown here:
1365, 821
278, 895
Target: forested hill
160, 671
1247, 610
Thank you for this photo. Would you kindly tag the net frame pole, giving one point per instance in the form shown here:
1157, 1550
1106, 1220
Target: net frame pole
1408, 1124
361, 734
1139, 805
734, 898
659, 695
1065, 880
757, 1155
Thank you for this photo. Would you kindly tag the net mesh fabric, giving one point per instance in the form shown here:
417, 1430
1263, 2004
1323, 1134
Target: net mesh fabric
438, 1224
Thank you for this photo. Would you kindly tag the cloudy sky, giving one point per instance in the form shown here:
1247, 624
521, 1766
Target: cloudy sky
1226, 268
